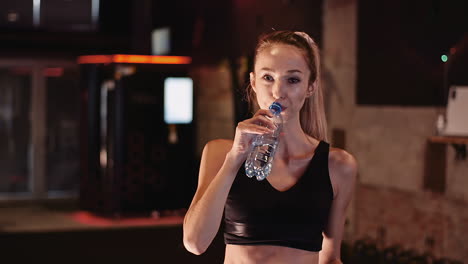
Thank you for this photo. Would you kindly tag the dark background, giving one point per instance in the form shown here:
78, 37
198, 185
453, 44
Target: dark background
400, 49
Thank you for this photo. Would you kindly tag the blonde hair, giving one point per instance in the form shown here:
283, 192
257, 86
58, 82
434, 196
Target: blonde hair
312, 114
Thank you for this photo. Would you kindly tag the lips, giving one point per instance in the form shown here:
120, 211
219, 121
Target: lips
283, 108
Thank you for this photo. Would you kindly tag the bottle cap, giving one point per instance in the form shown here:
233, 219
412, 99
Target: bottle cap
275, 108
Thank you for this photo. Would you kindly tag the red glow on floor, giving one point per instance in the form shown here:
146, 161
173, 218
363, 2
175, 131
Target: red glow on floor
87, 218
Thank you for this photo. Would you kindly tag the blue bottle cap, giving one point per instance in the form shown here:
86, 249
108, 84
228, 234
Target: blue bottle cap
276, 108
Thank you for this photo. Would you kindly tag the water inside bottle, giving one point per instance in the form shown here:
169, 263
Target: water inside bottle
260, 159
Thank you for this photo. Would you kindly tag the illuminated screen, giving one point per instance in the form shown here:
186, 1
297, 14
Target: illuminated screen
161, 42
178, 100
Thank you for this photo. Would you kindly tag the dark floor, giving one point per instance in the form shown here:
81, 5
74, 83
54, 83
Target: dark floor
64, 234
119, 245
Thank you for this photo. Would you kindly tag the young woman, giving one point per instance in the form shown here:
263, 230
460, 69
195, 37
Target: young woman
297, 214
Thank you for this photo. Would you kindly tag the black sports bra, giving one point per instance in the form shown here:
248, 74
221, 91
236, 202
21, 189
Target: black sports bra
257, 214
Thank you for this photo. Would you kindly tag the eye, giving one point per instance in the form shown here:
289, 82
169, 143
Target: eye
267, 77
293, 80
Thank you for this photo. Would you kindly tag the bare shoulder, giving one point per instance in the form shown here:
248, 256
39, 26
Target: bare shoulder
343, 169
214, 152
212, 159
218, 146
342, 162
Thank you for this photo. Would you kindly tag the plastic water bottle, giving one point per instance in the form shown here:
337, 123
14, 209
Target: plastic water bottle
260, 159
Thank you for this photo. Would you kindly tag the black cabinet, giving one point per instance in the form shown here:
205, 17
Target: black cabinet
133, 161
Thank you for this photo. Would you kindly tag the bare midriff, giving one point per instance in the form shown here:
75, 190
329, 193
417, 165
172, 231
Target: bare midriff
237, 254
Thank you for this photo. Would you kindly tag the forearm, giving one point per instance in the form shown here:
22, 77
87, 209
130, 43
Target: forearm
203, 219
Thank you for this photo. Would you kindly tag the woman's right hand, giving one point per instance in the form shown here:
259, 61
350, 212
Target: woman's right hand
246, 131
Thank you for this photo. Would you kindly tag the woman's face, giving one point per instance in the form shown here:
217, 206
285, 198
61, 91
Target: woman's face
281, 75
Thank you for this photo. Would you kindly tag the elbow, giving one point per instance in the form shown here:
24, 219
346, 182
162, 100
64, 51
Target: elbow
193, 246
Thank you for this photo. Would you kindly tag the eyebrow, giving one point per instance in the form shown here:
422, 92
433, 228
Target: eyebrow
290, 71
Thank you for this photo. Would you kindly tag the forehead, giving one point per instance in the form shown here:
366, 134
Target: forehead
281, 57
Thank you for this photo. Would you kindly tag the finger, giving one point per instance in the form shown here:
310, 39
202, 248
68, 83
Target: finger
264, 121
261, 121
253, 128
264, 112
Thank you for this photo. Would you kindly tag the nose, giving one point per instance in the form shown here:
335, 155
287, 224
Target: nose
278, 90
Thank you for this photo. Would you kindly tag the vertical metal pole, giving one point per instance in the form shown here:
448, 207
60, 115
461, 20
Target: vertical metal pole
38, 135
94, 14
36, 13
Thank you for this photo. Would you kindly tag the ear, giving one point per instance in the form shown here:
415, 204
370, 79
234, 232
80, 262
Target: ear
252, 81
312, 88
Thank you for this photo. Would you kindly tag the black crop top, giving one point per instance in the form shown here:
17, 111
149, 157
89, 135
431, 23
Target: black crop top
257, 214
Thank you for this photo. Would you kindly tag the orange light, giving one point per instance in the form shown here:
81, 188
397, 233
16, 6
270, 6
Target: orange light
93, 59
121, 58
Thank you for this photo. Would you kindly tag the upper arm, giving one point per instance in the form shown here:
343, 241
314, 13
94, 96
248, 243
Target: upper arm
212, 159
343, 172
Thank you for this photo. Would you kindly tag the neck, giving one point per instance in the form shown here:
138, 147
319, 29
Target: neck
294, 142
